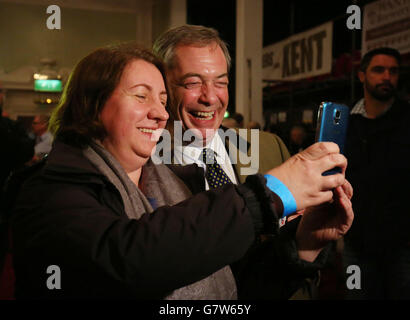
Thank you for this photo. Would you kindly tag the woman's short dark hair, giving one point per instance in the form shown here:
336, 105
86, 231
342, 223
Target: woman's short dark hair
76, 119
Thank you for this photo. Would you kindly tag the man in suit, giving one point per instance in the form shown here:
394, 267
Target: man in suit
198, 63
43, 137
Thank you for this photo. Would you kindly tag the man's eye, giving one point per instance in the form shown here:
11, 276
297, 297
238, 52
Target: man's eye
378, 69
221, 84
193, 85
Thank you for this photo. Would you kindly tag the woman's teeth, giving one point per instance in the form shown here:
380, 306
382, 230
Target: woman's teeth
146, 130
204, 115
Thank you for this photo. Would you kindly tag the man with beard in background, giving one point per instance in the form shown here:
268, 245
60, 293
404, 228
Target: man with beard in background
378, 153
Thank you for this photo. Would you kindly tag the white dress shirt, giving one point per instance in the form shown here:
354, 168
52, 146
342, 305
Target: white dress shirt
192, 153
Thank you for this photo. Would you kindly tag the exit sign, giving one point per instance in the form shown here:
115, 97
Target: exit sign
48, 85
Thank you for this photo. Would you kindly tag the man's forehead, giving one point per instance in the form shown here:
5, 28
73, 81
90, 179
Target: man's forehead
194, 55
212, 46
382, 60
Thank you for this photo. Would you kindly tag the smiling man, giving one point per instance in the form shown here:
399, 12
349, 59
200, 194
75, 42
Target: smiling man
378, 152
198, 64
200, 78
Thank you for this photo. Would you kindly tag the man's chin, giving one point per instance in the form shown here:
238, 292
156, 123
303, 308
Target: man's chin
383, 96
382, 93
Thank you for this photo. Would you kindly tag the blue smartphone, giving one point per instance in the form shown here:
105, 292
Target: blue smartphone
332, 123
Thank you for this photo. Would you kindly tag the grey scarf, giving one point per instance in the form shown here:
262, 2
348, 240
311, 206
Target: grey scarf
160, 183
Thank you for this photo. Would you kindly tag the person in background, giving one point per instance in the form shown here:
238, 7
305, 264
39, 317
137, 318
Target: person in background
43, 138
298, 139
229, 123
378, 151
253, 125
238, 118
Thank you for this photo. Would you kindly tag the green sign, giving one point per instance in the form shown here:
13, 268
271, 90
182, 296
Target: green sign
48, 85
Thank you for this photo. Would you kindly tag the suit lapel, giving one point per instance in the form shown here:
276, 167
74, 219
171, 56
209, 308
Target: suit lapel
235, 153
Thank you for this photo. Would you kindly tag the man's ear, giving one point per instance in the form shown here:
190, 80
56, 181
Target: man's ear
360, 75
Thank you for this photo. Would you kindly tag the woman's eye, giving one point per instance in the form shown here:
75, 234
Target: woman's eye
141, 97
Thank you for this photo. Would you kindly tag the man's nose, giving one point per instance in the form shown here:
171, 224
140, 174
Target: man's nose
387, 74
208, 94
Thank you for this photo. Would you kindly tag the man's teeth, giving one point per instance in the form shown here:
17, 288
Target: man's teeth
204, 115
146, 130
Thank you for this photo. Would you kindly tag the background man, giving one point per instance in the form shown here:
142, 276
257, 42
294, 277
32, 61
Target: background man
198, 64
298, 139
43, 137
378, 151
230, 123
253, 125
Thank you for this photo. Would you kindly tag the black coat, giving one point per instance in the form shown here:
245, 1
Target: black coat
378, 153
16, 149
69, 215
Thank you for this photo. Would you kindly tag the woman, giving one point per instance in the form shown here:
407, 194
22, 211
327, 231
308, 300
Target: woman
112, 223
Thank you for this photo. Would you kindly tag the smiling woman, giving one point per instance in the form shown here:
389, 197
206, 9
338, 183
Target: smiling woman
99, 210
134, 111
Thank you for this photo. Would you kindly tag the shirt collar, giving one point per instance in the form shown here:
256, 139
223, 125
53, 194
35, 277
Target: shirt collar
359, 108
193, 153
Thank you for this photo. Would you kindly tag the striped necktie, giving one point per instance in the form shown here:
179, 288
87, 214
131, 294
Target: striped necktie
215, 175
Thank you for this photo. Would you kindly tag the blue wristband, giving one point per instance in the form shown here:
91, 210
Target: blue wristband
276, 186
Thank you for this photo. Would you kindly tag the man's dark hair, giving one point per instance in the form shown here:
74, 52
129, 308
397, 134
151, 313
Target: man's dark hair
76, 119
384, 50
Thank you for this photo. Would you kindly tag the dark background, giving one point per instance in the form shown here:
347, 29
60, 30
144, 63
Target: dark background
280, 20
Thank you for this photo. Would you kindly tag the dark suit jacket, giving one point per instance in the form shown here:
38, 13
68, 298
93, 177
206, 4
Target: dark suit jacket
378, 151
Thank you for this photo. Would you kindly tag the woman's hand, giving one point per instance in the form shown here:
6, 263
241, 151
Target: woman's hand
302, 174
327, 222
